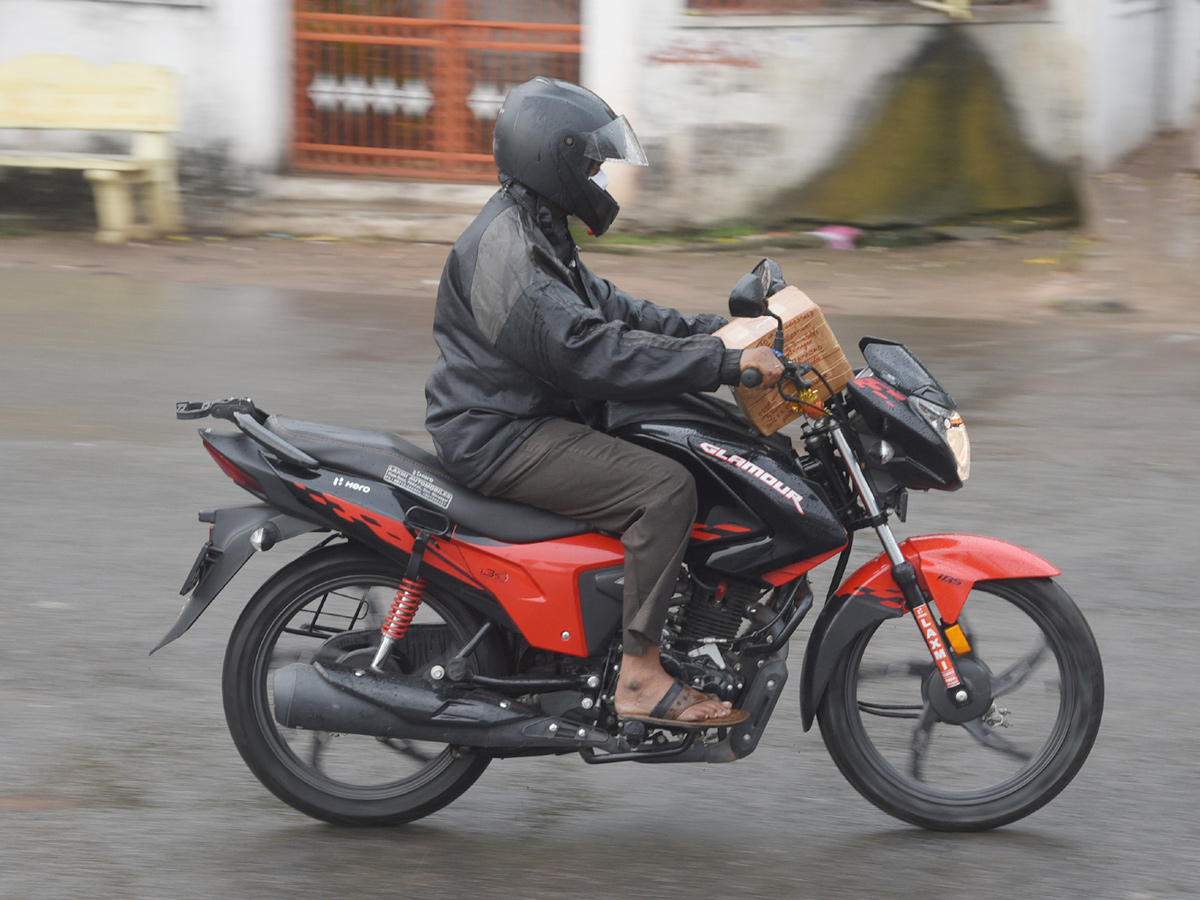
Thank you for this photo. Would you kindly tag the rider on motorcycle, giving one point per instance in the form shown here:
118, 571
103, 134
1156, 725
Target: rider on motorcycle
532, 342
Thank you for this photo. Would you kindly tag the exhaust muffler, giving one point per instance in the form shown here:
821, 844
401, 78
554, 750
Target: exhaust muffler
357, 700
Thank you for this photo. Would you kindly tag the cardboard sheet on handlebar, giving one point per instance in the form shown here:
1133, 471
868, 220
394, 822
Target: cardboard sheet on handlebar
807, 338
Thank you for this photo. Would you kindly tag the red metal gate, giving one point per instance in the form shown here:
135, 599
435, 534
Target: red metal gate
410, 88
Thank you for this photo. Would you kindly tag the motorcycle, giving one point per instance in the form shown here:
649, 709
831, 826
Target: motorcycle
432, 630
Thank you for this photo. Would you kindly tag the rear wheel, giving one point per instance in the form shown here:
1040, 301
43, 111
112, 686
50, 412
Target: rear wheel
895, 740
344, 592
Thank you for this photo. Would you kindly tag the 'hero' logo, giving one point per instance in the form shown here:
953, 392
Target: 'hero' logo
751, 469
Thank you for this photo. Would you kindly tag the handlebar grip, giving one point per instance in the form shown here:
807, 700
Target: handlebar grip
751, 377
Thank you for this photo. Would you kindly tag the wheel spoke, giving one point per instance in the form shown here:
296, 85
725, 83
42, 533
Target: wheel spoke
915, 668
1018, 673
407, 749
920, 741
989, 738
890, 710
320, 741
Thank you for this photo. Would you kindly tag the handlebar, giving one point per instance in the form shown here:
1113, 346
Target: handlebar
752, 376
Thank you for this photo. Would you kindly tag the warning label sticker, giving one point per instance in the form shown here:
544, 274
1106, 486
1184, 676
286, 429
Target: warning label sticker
419, 485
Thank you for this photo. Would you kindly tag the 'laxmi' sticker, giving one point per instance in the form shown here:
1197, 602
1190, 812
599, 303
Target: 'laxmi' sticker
419, 485
934, 639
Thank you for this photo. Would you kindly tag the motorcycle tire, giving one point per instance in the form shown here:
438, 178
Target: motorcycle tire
1032, 648
345, 590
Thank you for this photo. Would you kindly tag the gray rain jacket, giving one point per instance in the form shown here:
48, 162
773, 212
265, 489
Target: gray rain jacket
528, 334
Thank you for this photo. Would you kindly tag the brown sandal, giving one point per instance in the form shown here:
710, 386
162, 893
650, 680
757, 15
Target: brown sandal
682, 697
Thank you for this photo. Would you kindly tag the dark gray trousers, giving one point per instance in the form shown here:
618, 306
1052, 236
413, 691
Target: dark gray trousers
616, 486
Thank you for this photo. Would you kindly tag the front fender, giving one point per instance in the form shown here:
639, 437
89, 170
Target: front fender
947, 566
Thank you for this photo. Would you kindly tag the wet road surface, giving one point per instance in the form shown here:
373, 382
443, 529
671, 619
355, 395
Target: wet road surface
117, 775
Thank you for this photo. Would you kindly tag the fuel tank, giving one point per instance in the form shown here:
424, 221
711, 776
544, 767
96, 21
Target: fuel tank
757, 512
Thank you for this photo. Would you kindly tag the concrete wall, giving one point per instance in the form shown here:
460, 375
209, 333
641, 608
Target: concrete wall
1136, 64
232, 58
748, 105
730, 108
1183, 100
1125, 103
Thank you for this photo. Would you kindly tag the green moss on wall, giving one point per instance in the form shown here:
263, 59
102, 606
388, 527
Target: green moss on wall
944, 146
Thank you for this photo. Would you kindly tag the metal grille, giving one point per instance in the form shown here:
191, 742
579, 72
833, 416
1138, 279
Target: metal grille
411, 87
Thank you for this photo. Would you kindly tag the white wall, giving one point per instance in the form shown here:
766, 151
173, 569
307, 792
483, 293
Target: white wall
1184, 98
733, 101
727, 101
1138, 71
1124, 104
231, 58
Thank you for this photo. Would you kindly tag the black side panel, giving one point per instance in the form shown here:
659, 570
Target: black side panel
693, 409
601, 598
757, 512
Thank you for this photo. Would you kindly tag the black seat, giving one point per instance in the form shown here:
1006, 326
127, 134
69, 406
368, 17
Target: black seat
383, 456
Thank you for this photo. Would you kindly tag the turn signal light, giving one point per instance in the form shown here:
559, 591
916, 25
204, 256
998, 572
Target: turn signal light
958, 640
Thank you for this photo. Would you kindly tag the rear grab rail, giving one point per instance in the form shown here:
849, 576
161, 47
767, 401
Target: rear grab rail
242, 412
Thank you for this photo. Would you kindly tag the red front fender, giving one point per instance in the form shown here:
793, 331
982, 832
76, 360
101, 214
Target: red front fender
948, 565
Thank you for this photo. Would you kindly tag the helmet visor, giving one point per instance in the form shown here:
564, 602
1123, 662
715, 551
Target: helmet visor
615, 140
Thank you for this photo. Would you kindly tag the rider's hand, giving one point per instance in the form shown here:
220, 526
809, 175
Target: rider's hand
765, 360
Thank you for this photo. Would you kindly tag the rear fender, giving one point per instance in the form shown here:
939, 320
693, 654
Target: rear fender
947, 566
227, 551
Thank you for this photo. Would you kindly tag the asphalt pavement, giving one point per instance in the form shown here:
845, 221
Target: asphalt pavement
117, 775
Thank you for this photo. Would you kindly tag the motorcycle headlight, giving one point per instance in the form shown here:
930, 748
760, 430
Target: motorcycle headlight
949, 424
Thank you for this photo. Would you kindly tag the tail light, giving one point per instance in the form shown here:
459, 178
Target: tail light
240, 478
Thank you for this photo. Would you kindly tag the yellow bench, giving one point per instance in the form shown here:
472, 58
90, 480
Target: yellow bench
53, 92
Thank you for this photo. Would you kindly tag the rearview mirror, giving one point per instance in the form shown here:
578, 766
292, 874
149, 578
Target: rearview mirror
748, 299
771, 276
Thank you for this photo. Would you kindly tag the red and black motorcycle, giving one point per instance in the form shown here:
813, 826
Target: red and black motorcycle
432, 630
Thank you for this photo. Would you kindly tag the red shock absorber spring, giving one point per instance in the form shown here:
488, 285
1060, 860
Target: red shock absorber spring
404, 607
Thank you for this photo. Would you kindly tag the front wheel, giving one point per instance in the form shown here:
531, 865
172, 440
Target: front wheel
329, 605
1031, 650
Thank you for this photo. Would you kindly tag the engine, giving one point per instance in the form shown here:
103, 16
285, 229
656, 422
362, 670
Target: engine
715, 611
713, 614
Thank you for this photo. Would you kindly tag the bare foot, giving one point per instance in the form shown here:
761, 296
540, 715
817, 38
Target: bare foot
644, 682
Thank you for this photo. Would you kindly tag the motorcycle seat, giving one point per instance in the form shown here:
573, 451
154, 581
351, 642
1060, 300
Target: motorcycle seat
387, 457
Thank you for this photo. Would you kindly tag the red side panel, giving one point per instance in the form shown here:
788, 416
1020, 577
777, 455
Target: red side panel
795, 570
948, 566
538, 584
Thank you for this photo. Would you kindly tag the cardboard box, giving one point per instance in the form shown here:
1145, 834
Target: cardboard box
807, 338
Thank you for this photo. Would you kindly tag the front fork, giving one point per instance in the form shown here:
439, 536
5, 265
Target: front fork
904, 575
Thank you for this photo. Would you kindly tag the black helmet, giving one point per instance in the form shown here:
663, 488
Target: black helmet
548, 134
